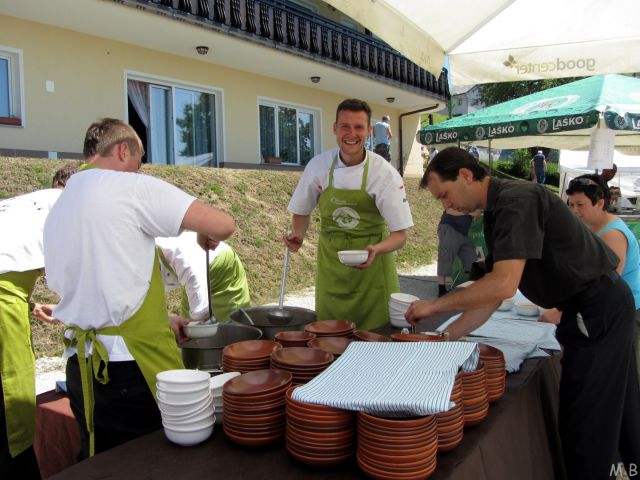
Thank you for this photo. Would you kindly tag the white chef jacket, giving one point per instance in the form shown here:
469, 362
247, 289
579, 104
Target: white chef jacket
99, 247
384, 185
21, 223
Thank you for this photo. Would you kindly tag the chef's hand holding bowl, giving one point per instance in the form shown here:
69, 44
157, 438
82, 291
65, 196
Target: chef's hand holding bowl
176, 323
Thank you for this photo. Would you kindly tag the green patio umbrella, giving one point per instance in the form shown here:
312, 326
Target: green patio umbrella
561, 117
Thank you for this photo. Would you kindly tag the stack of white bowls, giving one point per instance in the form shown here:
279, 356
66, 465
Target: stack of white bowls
186, 405
216, 384
398, 305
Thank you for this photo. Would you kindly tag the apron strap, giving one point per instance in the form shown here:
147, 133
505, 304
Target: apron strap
333, 166
363, 187
99, 354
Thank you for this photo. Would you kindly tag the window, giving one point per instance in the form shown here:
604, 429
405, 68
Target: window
178, 125
11, 99
288, 133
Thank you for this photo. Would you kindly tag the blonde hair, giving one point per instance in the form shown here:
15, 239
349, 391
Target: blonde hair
102, 136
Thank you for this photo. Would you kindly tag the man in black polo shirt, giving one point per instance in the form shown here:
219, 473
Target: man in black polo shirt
536, 244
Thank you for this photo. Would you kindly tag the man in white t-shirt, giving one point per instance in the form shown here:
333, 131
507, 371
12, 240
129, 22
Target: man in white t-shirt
21, 262
100, 256
361, 199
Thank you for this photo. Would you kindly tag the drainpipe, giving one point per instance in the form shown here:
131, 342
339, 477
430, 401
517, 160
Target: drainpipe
426, 109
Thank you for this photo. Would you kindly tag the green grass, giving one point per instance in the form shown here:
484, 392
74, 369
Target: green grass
258, 200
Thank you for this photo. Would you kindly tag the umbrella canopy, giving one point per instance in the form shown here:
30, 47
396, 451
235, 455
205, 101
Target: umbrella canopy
507, 40
559, 117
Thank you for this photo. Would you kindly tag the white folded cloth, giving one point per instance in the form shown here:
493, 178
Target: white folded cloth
541, 334
394, 379
514, 352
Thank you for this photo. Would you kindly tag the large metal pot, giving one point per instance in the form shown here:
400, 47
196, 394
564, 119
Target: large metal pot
206, 353
269, 324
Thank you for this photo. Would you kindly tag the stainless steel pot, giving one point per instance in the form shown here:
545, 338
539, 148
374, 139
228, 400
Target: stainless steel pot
260, 317
206, 353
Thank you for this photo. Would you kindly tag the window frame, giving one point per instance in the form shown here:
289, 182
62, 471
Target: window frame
14, 57
172, 84
316, 114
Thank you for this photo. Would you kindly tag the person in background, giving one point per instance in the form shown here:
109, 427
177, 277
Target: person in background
21, 263
453, 241
183, 265
588, 197
616, 201
555, 262
382, 138
361, 197
100, 257
539, 167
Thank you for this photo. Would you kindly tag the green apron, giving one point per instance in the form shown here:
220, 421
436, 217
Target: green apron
229, 288
350, 220
17, 362
148, 337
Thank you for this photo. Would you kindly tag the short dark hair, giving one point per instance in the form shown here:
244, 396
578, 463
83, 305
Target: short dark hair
103, 135
62, 175
592, 186
447, 164
355, 105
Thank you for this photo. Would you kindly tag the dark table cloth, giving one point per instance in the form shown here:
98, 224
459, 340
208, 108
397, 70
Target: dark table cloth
518, 439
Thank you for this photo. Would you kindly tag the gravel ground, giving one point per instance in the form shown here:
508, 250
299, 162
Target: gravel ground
420, 282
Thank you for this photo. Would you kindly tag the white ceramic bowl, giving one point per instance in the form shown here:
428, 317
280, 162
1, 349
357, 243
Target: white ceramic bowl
393, 308
184, 408
187, 413
402, 298
180, 398
353, 257
198, 330
216, 383
189, 437
399, 321
182, 379
506, 305
191, 422
527, 309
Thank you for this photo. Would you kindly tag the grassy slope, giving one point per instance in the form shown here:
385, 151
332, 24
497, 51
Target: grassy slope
258, 201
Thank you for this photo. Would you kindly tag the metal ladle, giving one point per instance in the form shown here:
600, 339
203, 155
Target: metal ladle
281, 316
211, 320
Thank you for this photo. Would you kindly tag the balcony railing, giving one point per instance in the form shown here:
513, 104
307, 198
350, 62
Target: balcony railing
278, 24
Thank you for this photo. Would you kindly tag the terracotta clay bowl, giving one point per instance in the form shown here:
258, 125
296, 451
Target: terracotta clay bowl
416, 337
397, 423
250, 349
252, 442
317, 461
331, 328
303, 357
259, 382
366, 336
333, 345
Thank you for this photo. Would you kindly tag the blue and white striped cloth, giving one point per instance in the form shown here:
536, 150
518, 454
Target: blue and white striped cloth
394, 379
514, 352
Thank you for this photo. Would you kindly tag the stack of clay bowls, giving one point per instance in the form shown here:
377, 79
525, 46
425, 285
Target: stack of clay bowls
496, 374
254, 407
334, 345
365, 336
248, 355
294, 338
186, 406
451, 423
317, 434
390, 448
331, 328
417, 337
303, 363
475, 401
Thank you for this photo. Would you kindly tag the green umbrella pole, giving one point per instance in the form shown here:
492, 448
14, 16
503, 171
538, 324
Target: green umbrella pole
490, 158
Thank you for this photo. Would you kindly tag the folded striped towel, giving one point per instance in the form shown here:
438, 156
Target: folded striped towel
514, 352
394, 379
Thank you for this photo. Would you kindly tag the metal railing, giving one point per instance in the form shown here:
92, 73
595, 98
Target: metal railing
285, 27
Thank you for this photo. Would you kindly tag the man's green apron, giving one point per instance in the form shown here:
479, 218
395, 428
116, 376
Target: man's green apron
148, 337
350, 220
17, 362
229, 288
